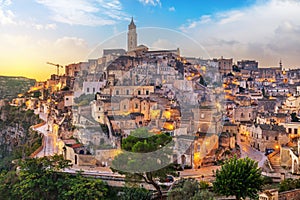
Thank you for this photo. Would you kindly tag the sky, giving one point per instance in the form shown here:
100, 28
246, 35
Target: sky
34, 32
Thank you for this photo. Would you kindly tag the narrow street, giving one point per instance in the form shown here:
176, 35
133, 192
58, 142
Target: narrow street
49, 139
248, 151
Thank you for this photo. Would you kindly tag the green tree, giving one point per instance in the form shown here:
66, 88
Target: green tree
190, 189
184, 189
83, 188
239, 177
38, 177
204, 194
7, 180
289, 184
43, 179
146, 156
134, 193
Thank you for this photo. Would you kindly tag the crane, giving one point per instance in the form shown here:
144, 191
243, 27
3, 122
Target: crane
57, 65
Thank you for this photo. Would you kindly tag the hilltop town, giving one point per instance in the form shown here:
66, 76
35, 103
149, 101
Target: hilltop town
214, 109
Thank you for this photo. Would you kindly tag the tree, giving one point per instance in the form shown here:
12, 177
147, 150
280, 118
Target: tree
42, 178
134, 193
289, 184
84, 188
38, 177
239, 177
190, 189
146, 156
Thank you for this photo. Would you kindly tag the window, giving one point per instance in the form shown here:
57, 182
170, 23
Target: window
117, 92
290, 130
136, 106
276, 138
139, 92
147, 92
67, 99
124, 107
202, 115
127, 92
87, 90
267, 137
295, 131
242, 115
94, 90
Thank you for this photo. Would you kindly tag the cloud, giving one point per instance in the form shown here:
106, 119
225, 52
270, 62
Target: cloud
151, 2
266, 31
81, 12
45, 27
6, 15
172, 9
163, 44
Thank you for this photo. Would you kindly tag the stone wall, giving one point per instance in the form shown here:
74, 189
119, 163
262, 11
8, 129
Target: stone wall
106, 155
290, 195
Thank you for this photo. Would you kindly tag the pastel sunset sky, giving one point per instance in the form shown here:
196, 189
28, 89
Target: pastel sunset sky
33, 32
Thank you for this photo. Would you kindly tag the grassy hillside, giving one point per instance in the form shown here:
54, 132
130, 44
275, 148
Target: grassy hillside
10, 86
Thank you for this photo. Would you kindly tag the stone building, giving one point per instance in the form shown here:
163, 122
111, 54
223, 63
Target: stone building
225, 65
244, 114
265, 136
131, 36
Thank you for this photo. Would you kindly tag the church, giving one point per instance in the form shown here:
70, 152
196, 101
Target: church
135, 50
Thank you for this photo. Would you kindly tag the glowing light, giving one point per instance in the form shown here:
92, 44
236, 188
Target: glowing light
169, 126
167, 114
196, 157
154, 114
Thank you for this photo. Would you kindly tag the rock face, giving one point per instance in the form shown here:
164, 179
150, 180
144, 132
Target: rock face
16, 140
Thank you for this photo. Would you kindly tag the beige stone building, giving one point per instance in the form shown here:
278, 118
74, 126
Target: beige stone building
225, 65
265, 136
244, 114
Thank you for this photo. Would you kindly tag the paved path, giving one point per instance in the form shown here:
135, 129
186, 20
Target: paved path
248, 151
49, 139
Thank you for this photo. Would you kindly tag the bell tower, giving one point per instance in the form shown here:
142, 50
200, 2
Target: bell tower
131, 36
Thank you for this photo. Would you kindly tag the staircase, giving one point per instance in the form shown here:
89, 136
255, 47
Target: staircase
274, 159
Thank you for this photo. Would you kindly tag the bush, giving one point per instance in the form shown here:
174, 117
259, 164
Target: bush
289, 184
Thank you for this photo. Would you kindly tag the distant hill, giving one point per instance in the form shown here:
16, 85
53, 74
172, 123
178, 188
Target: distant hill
11, 86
